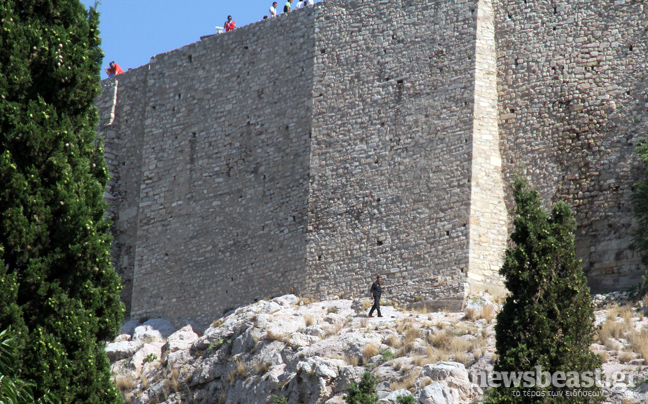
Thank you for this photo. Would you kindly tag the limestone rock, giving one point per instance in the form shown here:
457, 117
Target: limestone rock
162, 325
122, 349
181, 339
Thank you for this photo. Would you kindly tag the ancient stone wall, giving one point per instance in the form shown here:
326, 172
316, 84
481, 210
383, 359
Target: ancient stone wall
122, 106
572, 80
309, 152
391, 149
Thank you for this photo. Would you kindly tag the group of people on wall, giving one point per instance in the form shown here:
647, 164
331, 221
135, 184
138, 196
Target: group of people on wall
272, 12
114, 69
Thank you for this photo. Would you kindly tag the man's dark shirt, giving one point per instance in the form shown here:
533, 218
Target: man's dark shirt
376, 290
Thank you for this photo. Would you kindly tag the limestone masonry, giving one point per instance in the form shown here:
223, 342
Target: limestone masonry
308, 152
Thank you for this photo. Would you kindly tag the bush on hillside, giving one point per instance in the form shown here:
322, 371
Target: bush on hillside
639, 200
363, 392
548, 318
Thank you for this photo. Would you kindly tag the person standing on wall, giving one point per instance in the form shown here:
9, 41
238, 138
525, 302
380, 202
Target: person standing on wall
114, 69
229, 24
287, 6
299, 5
376, 291
273, 10
309, 3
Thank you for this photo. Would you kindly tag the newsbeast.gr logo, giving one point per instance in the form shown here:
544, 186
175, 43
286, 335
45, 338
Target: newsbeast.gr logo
618, 381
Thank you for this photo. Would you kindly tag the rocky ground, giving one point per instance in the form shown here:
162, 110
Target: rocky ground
310, 352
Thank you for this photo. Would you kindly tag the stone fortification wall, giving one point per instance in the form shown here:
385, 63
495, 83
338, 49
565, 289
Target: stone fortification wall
391, 148
121, 107
308, 153
572, 99
220, 152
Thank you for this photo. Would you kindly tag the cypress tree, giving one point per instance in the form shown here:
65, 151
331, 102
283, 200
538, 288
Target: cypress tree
62, 294
639, 200
548, 318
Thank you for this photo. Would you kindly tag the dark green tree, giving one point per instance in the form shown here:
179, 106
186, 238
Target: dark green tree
363, 392
15, 390
60, 292
548, 318
639, 200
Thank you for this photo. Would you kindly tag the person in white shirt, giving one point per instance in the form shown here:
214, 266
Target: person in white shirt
299, 5
309, 3
273, 10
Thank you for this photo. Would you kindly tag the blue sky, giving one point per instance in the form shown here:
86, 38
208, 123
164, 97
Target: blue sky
134, 30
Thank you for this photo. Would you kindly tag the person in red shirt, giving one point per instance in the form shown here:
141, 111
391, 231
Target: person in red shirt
229, 24
114, 69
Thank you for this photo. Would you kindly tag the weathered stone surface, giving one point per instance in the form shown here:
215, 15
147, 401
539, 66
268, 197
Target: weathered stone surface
247, 364
122, 349
181, 339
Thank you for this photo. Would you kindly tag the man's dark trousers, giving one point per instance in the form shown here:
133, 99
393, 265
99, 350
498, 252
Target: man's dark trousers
376, 306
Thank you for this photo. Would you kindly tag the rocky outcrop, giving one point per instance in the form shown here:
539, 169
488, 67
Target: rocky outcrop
311, 353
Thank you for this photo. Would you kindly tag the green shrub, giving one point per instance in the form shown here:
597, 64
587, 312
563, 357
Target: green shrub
639, 199
363, 392
406, 399
279, 400
548, 318
387, 355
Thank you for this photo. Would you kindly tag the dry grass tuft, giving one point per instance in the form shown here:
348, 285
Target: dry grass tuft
334, 329
406, 349
625, 357
472, 314
240, 368
125, 383
604, 356
422, 360
261, 368
144, 380
436, 355
352, 360
489, 312
405, 383
393, 341
440, 339
411, 335
366, 305
639, 343
425, 381
309, 319
463, 357
276, 336
304, 300
613, 329
175, 383
369, 351
612, 312
231, 377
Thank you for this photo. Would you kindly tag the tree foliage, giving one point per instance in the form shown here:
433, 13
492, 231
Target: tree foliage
16, 390
548, 318
363, 392
639, 200
59, 291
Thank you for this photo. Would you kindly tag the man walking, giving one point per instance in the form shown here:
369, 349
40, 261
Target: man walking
376, 290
